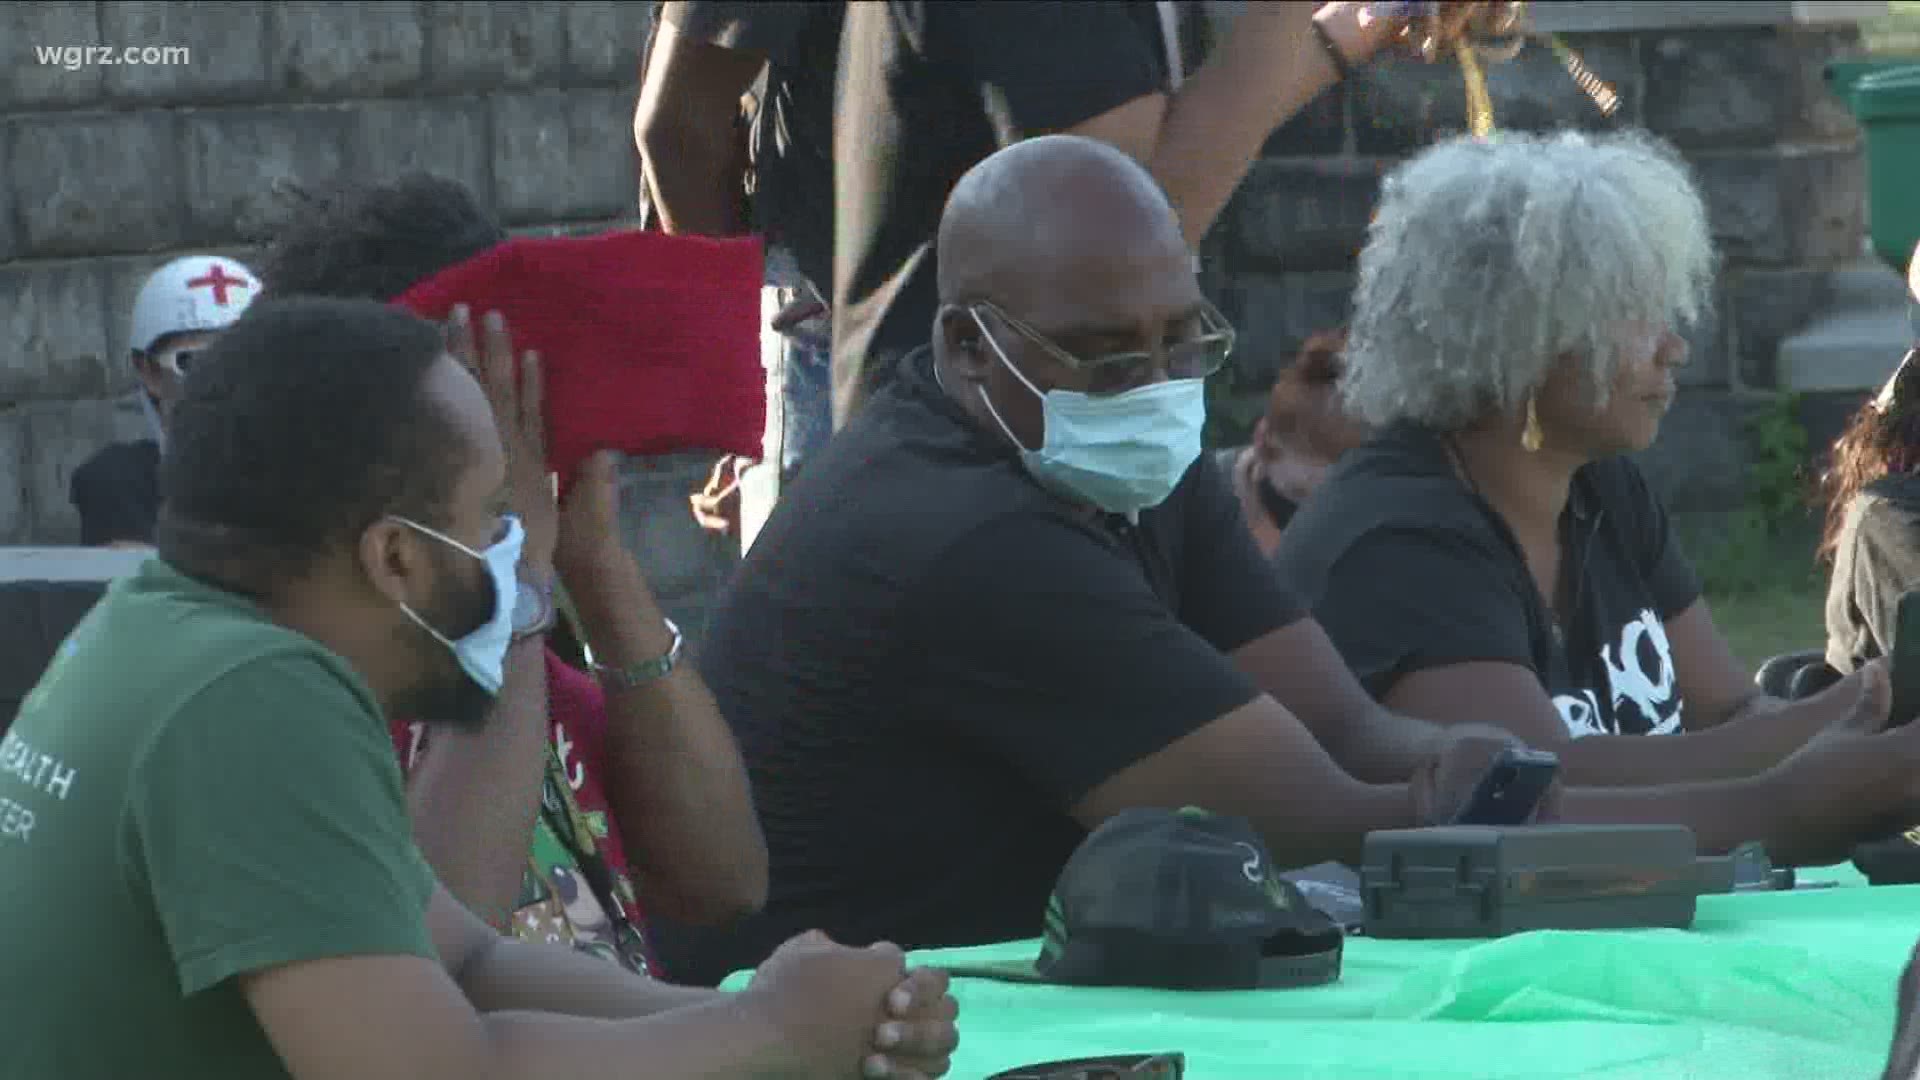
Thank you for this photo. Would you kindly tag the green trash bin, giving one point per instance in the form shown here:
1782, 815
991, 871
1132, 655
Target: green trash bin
1887, 105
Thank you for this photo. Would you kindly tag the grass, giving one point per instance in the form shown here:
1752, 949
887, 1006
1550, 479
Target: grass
1765, 591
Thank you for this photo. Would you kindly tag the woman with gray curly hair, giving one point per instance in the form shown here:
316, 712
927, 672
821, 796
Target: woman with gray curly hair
1491, 555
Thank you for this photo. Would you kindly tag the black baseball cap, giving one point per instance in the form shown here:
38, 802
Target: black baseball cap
1176, 900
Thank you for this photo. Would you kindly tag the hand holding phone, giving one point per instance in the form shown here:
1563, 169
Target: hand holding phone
1511, 789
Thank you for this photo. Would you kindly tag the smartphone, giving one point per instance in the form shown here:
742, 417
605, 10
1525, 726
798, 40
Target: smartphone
1511, 788
1903, 668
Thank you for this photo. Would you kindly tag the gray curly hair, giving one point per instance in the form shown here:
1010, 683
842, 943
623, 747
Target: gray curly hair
1489, 259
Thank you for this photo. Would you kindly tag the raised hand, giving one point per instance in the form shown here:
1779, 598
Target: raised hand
515, 391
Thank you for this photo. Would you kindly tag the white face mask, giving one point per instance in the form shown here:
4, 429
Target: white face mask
483, 653
1123, 452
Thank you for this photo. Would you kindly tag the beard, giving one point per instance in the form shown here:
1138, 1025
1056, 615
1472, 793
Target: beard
445, 694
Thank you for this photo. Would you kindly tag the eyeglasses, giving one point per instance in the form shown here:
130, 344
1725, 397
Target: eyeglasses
178, 361
1170, 1066
1192, 358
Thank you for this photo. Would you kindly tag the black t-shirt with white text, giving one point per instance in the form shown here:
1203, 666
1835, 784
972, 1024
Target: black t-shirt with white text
929, 90
928, 659
1407, 569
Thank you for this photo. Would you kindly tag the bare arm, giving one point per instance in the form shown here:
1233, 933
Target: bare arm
474, 794
1719, 691
1200, 143
677, 784
1510, 696
1260, 763
1298, 666
684, 126
407, 1018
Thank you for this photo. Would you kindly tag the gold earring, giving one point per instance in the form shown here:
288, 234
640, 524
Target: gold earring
1531, 437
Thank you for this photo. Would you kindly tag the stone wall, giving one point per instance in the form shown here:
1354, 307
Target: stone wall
1778, 158
107, 171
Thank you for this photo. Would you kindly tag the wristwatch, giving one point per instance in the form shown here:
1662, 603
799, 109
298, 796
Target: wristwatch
533, 609
637, 675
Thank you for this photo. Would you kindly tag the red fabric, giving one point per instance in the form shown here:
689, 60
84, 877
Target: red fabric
650, 343
577, 710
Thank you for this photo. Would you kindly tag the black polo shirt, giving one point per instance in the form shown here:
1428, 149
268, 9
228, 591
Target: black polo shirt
1876, 561
1408, 568
117, 492
927, 659
930, 89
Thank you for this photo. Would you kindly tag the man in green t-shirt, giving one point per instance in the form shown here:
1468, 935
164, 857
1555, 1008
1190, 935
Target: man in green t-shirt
205, 862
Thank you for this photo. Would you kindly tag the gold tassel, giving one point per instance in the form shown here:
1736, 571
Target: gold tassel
1479, 102
1531, 437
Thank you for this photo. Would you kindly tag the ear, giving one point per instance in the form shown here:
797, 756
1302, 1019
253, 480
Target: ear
395, 561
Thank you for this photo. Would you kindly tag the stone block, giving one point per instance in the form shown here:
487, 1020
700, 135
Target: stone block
1401, 104
1303, 214
604, 41
1320, 128
16, 519
484, 47
1814, 112
1274, 314
333, 50
235, 156
54, 318
45, 62
1845, 351
60, 436
1764, 308
1778, 207
560, 156
1700, 458
446, 135
224, 58
95, 184
1719, 88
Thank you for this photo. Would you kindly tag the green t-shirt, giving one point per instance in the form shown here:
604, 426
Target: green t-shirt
191, 793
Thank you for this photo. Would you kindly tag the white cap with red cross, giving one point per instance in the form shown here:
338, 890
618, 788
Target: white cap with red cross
191, 293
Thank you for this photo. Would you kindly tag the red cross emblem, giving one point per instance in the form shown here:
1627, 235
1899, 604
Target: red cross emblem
217, 280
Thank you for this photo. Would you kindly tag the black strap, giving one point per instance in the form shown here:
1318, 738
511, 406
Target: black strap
564, 819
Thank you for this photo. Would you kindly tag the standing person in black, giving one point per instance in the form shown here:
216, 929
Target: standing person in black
931, 88
712, 167
1492, 555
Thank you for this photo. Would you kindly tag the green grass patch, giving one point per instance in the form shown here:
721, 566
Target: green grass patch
1895, 34
1765, 591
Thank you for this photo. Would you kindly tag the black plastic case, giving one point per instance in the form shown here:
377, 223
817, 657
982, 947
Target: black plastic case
1470, 881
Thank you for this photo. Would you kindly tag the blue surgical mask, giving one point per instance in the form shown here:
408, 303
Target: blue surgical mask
1123, 452
483, 653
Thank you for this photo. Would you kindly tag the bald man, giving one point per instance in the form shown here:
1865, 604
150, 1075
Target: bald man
1011, 599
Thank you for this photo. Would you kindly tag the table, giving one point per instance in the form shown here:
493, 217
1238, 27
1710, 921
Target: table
1795, 985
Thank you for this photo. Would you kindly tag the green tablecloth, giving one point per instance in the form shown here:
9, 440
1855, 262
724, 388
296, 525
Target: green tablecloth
1794, 985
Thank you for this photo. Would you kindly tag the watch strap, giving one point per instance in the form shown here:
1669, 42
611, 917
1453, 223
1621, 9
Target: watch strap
631, 676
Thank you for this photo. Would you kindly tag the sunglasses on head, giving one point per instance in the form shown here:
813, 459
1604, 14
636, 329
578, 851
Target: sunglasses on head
1171, 1066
